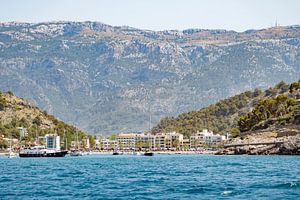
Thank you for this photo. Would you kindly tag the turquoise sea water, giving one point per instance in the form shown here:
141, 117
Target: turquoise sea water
157, 177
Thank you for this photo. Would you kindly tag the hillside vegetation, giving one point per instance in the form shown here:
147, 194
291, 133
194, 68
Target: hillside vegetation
243, 112
17, 112
272, 110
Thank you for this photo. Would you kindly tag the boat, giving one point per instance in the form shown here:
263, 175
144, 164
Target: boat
41, 151
11, 154
115, 153
76, 153
148, 154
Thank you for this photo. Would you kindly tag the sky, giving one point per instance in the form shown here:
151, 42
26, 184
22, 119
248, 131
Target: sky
238, 15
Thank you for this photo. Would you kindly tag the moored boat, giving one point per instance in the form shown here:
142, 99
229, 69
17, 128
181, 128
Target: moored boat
115, 153
148, 154
41, 151
76, 153
137, 153
11, 155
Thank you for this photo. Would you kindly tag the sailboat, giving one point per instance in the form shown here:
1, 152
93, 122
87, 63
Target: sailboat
11, 154
76, 152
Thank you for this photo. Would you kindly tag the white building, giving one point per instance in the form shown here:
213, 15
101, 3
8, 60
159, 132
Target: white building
106, 144
22, 132
52, 141
87, 143
205, 137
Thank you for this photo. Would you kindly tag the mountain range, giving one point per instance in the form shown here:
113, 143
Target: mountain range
108, 79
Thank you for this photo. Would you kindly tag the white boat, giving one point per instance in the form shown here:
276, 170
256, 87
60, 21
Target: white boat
76, 153
137, 153
88, 153
41, 151
11, 154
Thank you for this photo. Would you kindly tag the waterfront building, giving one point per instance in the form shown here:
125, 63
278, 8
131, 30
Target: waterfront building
205, 137
171, 140
186, 144
22, 132
174, 140
126, 141
76, 144
160, 141
106, 144
52, 141
87, 143
145, 141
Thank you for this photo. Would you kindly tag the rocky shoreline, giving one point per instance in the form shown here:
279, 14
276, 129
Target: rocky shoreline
284, 140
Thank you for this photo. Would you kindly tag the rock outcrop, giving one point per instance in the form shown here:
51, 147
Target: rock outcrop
278, 141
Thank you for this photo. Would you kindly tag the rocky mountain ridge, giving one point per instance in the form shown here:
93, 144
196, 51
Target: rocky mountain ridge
105, 78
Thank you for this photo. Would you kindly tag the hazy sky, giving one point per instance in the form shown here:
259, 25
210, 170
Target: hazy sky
237, 15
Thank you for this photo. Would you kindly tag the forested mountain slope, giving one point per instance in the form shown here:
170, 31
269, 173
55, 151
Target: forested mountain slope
244, 112
17, 112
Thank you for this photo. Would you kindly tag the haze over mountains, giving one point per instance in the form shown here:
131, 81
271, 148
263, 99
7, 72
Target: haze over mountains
106, 79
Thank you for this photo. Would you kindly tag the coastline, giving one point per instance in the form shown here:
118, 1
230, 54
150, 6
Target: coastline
283, 140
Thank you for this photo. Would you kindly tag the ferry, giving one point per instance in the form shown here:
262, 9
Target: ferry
41, 151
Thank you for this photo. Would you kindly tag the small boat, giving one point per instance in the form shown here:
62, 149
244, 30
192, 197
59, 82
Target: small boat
115, 153
12, 155
148, 154
88, 153
41, 151
76, 153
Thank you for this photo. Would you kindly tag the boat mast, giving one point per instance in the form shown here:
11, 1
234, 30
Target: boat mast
66, 144
10, 145
149, 117
76, 139
149, 107
36, 136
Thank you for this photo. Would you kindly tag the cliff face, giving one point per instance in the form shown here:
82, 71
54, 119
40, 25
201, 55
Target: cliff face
108, 79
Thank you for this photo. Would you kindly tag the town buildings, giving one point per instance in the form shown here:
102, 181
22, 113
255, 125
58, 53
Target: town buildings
160, 141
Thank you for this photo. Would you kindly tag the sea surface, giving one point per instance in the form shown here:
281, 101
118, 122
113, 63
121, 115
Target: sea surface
157, 177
